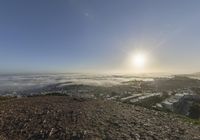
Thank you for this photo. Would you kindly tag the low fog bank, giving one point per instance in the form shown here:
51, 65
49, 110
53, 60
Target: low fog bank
18, 82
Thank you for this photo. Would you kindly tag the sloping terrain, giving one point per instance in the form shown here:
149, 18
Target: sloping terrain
59, 117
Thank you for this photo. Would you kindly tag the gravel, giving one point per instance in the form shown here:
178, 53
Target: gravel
63, 118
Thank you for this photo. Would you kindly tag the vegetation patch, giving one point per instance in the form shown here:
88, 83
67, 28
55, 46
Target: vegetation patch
3, 98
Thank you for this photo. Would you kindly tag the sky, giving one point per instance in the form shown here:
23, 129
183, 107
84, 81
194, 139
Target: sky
99, 35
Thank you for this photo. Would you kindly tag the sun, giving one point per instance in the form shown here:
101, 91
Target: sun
139, 60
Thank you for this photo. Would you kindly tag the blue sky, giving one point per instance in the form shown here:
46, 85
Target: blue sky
98, 35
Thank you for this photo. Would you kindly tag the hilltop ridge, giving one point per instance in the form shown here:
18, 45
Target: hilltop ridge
61, 117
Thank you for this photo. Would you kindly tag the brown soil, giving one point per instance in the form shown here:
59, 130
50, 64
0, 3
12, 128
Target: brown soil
59, 117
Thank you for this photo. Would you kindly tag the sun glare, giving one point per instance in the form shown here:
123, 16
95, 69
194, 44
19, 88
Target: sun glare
139, 60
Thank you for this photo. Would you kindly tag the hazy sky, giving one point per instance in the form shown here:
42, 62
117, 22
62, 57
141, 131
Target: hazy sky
99, 35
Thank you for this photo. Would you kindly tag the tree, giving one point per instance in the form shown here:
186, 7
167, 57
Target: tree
194, 111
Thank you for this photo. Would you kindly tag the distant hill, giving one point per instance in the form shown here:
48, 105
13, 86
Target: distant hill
192, 75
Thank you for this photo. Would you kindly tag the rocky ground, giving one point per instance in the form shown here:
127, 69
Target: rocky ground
59, 117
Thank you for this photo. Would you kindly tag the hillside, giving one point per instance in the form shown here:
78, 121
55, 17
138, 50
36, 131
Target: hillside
60, 117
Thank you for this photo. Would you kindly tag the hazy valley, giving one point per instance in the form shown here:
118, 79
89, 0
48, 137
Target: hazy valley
168, 95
